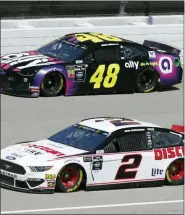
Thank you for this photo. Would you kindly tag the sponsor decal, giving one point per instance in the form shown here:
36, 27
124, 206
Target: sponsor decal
35, 94
87, 159
134, 129
32, 58
51, 183
8, 174
72, 160
100, 151
165, 65
97, 163
70, 71
110, 44
151, 54
80, 73
132, 64
177, 62
79, 61
17, 155
10, 158
50, 176
34, 89
149, 64
167, 153
156, 172
32, 151
46, 149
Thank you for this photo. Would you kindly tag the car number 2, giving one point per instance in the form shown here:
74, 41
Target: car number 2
110, 79
125, 170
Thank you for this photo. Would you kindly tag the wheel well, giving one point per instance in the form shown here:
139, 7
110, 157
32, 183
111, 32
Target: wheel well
172, 162
64, 88
81, 167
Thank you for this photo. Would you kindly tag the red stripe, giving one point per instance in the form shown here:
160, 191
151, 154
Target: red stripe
103, 154
126, 181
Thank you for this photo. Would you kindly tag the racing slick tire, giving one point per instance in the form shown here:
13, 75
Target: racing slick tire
69, 178
146, 81
52, 84
175, 173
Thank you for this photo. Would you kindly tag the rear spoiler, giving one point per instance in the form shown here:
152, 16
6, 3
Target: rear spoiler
161, 47
178, 128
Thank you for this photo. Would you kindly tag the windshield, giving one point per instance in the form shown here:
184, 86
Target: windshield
63, 50
80, 137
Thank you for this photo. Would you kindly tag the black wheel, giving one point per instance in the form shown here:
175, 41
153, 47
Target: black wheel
175, 173
146, 81
69, 178
52, 84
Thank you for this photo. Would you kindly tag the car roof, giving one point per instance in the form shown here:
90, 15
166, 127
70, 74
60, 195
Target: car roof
111, 124
94, 34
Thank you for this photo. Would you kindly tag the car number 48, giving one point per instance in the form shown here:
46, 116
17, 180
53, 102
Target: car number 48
109, 80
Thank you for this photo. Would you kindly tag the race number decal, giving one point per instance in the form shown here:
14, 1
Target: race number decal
165, 65
110, 79
96, 38
125, 170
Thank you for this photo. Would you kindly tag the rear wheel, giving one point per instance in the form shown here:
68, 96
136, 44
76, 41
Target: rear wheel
146, 81
175, 173
52, 84
69, 178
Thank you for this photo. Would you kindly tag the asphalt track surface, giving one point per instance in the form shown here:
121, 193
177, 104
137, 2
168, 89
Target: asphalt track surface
31, 119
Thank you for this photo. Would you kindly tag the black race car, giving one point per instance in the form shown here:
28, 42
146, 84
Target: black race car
90, 63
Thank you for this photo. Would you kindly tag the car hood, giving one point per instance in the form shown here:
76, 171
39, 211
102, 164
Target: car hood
26, 60
33, 153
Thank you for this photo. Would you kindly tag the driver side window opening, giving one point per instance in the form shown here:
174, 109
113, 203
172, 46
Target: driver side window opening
106, 54
136, 141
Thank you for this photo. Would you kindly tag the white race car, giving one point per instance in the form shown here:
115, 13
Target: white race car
96, 153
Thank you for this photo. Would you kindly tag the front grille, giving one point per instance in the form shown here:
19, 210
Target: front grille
7, 180
12, 167
13, 81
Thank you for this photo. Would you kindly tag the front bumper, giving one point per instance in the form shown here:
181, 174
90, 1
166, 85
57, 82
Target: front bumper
16, 177
12, 83
24, 185
36, 191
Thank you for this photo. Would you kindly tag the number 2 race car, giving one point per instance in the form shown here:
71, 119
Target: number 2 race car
96, 153
90, 63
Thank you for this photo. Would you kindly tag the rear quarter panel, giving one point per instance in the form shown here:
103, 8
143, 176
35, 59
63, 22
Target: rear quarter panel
169, 72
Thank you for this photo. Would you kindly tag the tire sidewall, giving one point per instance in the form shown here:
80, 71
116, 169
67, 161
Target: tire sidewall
76, 186
152, 86
45, 92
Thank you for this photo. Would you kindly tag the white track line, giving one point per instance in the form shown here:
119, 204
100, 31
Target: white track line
92, 206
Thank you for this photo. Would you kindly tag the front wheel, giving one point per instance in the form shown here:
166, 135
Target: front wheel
146, 81
52, 84
175, 173
69, 178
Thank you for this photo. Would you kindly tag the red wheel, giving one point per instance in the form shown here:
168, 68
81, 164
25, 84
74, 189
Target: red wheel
69, 179
175, 172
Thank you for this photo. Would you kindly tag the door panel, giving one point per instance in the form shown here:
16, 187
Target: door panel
128, 168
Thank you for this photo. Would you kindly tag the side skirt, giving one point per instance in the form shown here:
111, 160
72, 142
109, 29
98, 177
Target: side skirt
126, 185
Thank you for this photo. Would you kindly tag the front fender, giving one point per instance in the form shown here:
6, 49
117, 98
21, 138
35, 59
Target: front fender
70, 85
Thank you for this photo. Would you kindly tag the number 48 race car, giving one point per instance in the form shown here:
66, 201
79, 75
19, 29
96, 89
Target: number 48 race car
96, 153
90, 63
